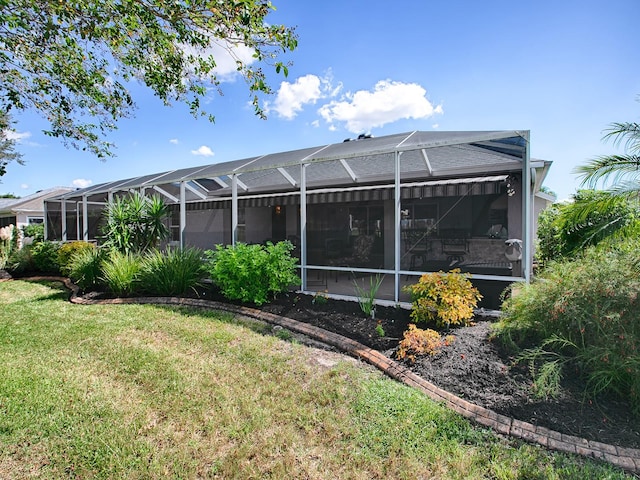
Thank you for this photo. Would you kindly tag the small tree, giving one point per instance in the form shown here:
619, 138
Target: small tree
135, 223
73, 62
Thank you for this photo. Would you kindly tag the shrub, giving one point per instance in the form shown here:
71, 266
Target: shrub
45, 257
583, 314
251, 273
35, 231
20, 261
445, 298
120, 272
172, 272
67, 251
417, 341
85, 268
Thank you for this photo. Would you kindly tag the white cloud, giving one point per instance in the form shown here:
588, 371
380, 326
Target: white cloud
292, 97
174, 141
203, 151
24, 186
81, 183
388, 102
16, 136
226, 54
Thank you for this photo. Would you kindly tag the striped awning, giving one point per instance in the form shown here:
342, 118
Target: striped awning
455, 187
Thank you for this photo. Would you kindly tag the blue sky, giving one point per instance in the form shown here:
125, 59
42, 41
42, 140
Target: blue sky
562, 69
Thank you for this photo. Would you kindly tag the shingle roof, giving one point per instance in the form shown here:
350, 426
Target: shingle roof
33, 202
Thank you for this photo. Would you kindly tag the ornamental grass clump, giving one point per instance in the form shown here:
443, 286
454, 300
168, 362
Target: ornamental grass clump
171, 272
367, 296
85, 268
582, 315
121, 272
443, 298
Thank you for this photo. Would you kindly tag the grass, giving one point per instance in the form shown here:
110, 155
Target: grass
130, 391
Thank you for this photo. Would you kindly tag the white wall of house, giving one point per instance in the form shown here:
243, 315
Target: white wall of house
24, 219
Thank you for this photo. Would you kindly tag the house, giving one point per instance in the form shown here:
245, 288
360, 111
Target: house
27, 210
396, 206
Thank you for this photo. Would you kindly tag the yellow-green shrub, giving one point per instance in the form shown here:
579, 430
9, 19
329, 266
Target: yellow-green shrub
417, 341
443, 298
68, 250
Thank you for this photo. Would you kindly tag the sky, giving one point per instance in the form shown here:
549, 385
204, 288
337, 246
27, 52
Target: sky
562, 69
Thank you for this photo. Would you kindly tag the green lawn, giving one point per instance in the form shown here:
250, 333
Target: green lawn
128, 391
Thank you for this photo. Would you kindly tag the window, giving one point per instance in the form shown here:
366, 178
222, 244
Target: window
35, 220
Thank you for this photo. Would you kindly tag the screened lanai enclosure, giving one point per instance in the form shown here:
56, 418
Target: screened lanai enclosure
395, 206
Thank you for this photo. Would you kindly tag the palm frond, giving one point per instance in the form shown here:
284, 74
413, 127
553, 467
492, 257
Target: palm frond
609, 167
625, 134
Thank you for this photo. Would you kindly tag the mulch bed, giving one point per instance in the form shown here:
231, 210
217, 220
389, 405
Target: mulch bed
475, 368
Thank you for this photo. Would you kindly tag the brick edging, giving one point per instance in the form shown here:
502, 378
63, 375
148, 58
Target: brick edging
626, 458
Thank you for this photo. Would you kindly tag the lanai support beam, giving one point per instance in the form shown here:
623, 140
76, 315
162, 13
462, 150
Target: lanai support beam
303, 225
63, 213
234, 209
85, 219
183, 213
527, 237
396, 232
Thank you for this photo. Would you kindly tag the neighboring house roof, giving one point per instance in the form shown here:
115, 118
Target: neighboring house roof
366, 160
33, 203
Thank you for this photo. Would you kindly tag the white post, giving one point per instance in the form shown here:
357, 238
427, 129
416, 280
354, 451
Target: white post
303, 225
527, 231
85, 219
234, 209
183, 214
396, 233
63, 212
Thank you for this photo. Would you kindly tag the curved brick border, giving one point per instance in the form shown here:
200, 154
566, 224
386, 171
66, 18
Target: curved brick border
627, 458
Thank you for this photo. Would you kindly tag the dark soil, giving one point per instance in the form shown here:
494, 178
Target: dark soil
475, 368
